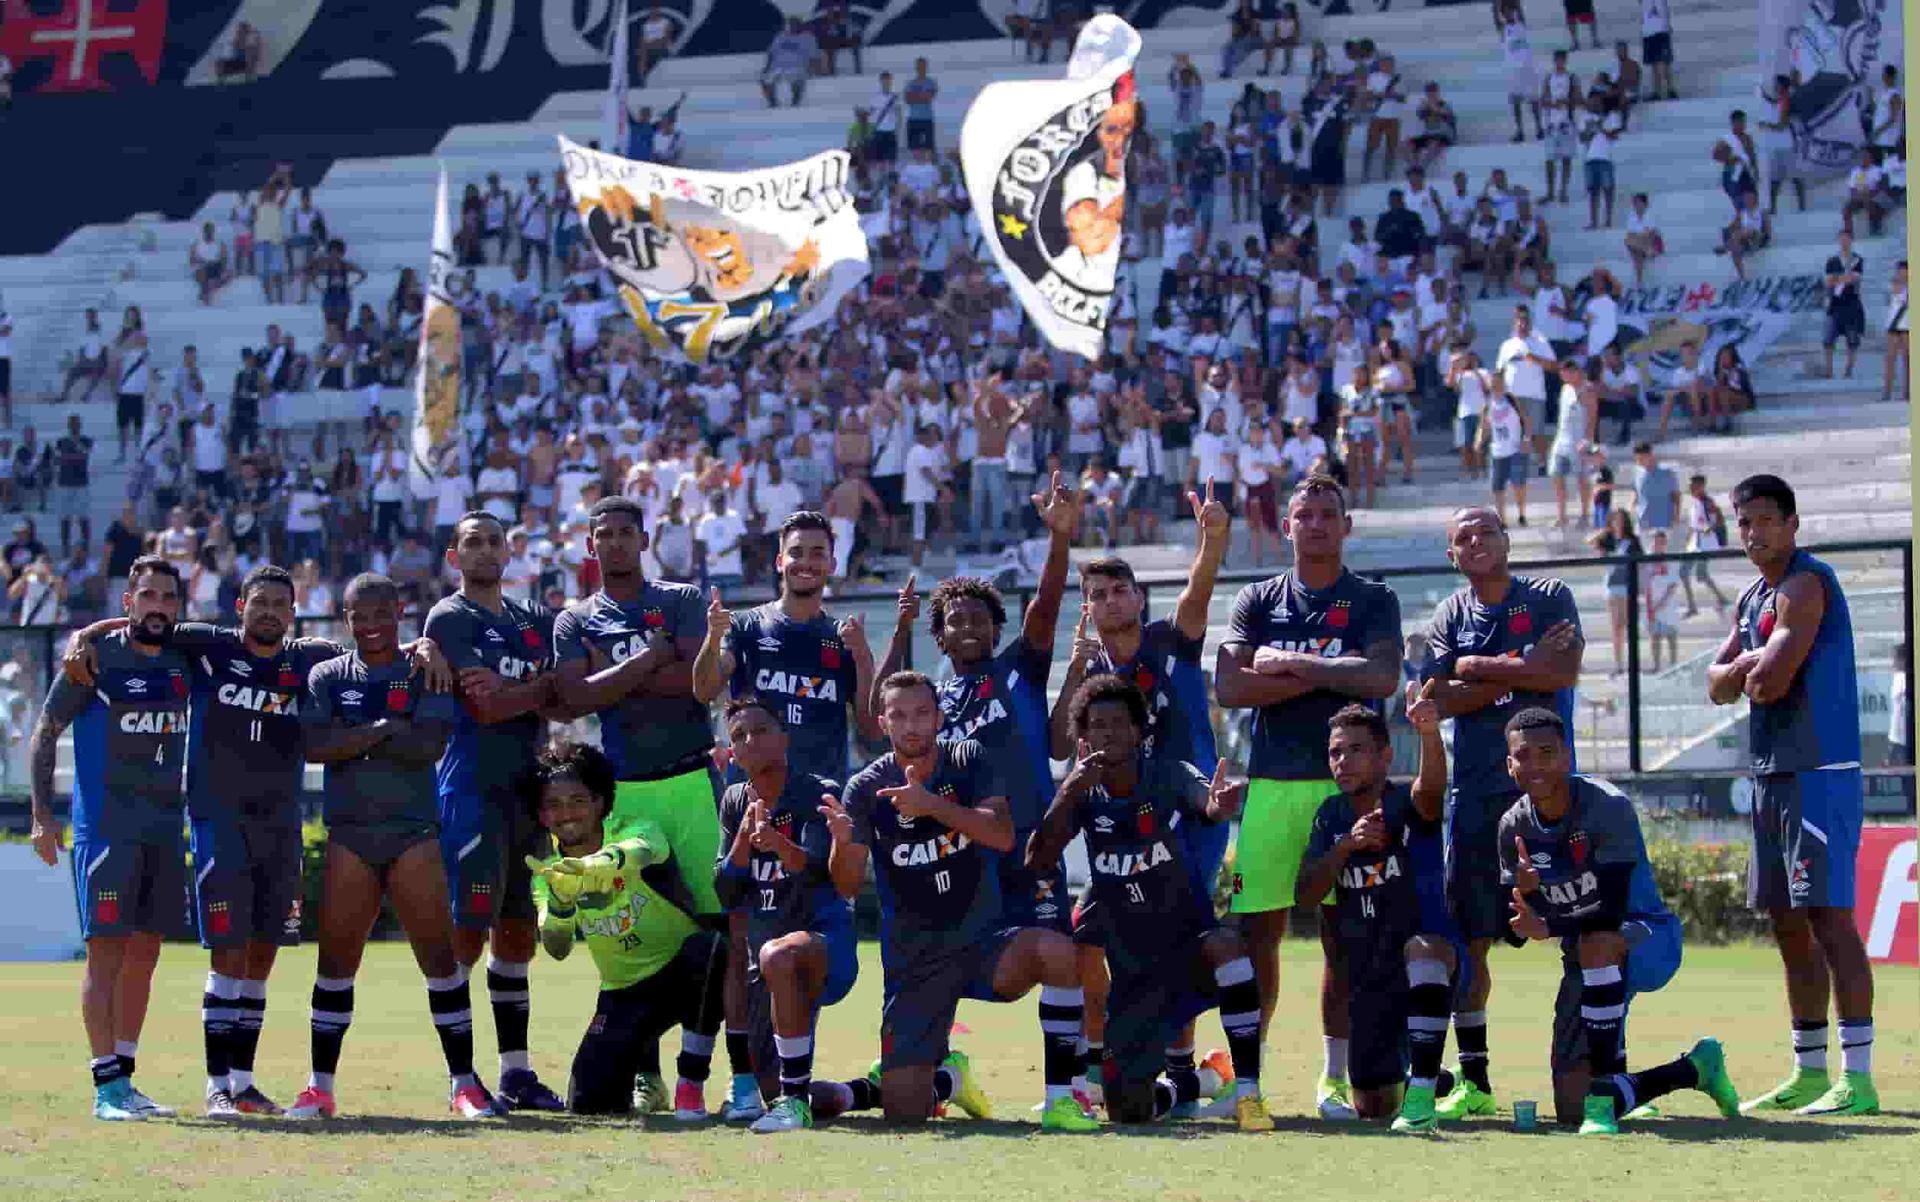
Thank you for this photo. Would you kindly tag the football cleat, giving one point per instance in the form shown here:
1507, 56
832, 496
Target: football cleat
1416, 1115
689, 1101
1333, 1102
788, 1114
312, 1104
1467, 1099
1065, 1114
744, 1103
649, 1095
1852, 1094
1597, 1118
966, 1091
473, 1102
251, 1101
1250, 1113
522, 1089
220, 1105
1802, 1089
145, 1105
1710, 1062
111, 1104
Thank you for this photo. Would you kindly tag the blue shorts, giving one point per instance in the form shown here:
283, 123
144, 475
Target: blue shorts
246, 881
1806, 838
128, 886
843, 968
1029, 899
922, 997
485, 842
1653, 957
1513, 470
1599, 174
1475, 898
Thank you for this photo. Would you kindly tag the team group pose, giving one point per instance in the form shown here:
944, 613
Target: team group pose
719, 898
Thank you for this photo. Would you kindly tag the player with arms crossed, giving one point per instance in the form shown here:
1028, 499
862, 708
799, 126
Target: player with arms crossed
1790, 654
244, 764
1302, 645
658, 967
1502, 644
1572, 856
1162, 659
1146, 911
626, 653
934, 817
500, 649
380, 736
1376, 847
792, 653
129, 745
782, 834
999, 700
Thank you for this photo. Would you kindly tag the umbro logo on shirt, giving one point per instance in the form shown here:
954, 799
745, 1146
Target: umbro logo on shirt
1103, 824
769, 643
352, 696
136, 685
493, 636
240, 669
1541, 859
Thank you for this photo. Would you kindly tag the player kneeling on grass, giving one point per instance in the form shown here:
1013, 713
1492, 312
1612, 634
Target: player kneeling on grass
934, 817
367, 719
783, 833
1168, 960
1378, 846
1571, 851
658, 968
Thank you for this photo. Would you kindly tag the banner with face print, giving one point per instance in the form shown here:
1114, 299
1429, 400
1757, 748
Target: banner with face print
713, 264
1832, 49
1045, 164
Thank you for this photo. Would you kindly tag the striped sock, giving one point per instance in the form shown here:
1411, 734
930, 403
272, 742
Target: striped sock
1603, 1010
217, 1026
1470, 1031
127, 1050
796, 1064
452, 1005
249, 1013
1856, 1044
511, 1003
695, 1062
1429, 986
1810, 1045
1240, 1019
332, 1015
1061, 1012
1182, 1074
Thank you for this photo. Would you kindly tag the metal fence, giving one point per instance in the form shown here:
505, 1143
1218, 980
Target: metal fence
1654, 727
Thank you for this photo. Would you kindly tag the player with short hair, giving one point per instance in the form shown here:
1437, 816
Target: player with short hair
782, 832
933, 816
792, 652
1501, 644
1302, 645
1790, 654
501, 651
380, 736
1146, 911
627, 654
1376, 847
999, 699
129, 745
1162, 658
1572, 855
658, 967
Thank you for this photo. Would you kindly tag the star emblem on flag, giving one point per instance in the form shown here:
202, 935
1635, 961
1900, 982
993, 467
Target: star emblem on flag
1012, 226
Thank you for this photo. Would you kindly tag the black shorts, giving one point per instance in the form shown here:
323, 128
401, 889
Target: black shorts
1150, 997
919, 133
923, 994
378, 847
129, 411
246, 881
1656, 48
689, 992
1029, 899
1475, 896
485, 842
888, 489
128, 886
843, 969
1654, 950
1377, 1021
6, 376
1849, 325
883, 146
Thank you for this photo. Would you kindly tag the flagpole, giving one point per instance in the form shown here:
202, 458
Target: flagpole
614, 116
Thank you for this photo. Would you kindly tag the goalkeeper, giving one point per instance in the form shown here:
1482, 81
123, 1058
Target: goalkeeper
658, 968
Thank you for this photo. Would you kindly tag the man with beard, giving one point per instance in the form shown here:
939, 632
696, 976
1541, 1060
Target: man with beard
627, 653
1303, 645
380, 735
244, 764
813, 669
1502, 644
501, 650
130, 733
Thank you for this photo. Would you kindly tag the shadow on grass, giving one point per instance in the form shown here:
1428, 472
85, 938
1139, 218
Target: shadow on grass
448, 1128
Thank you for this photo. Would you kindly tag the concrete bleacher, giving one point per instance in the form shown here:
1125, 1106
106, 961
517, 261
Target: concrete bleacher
1849, 455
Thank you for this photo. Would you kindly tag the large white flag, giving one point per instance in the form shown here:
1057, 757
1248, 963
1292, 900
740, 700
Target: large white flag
614, 117
1045, 164
1834, 47
436, 396
715, 263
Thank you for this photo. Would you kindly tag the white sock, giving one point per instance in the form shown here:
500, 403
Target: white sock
1335, 1057
320, 1081
1246, 1087
1810, 1046
1055, 1092
1856, 1045
511, 1061
239, 1080
126, 1047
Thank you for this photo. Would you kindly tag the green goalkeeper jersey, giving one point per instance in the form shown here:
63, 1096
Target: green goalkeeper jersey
631, 930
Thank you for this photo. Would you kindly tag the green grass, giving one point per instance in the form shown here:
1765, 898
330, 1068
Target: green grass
400, 1143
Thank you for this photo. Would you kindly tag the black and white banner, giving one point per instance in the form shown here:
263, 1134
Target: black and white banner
1045, 163
1749, 315
1834, 48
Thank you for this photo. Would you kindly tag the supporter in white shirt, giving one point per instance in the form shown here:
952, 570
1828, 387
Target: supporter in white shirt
498, 487
1602, 312
451, 492
1302, 450
1523, 362
720, 531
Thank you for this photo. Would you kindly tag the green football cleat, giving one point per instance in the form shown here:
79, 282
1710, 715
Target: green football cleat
787, 1114
1416, 1111
966, 1091
650, 1095
1710, 1061
1062, 1114
1806, 1086
1466, 1100
1853, 1094
1597, 1117
1645, 1110
873, 1072
1331, 1099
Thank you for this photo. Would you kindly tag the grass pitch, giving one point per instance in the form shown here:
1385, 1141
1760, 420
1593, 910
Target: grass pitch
399, 1143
